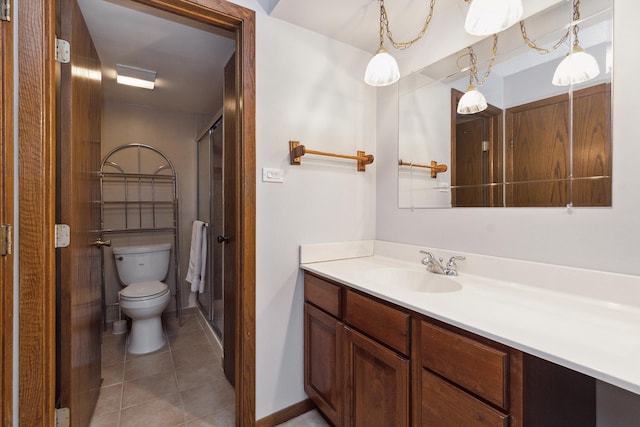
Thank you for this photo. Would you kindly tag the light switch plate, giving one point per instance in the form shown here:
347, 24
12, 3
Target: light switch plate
272, 175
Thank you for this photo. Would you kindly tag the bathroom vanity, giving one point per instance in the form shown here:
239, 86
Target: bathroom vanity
384, 346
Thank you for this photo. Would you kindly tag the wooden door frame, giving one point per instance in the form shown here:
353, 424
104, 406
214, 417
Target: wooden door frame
36, 151
6, 217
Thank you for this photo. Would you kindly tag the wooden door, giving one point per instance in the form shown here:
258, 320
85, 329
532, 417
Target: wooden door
79, 265
6, 219
537, 153
471, 167
322, 335
232, 175
376, 392
476, 156
592, 146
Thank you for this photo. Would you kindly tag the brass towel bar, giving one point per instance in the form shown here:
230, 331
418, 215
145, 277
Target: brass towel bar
296, 151
435, 167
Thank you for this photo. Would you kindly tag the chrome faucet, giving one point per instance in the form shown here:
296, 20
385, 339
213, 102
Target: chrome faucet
434, 265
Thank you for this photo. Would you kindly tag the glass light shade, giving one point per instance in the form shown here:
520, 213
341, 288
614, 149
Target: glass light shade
382, 69
473, 101
486, 17
576, 68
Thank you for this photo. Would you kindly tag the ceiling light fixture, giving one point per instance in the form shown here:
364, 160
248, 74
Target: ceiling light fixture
133, 76
578, 66
473, 101
486, 17
383, 69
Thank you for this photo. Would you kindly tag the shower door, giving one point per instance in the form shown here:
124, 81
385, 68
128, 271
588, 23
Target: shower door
211, 211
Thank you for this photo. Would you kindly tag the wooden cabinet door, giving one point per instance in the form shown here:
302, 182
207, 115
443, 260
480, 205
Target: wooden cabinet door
322, 337
376, 384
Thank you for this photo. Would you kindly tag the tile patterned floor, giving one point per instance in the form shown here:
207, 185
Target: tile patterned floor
182, 384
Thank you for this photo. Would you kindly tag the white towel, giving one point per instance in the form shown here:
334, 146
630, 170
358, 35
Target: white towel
197, 257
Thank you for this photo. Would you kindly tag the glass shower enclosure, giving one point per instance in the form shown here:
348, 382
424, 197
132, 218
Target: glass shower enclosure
210, 209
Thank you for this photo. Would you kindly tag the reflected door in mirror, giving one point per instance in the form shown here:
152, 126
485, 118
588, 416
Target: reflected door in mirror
539, 151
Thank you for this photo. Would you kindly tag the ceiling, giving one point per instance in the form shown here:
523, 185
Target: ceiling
132, 34
125, 32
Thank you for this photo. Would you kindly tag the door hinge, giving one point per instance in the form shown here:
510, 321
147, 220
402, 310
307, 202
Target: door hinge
63, 417
63, 235
6, 239
63, 51
5, 10
485, 146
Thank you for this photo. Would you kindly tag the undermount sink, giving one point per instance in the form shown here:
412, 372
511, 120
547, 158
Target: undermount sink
411, 280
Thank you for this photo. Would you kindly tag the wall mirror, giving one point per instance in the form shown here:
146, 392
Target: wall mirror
536, 144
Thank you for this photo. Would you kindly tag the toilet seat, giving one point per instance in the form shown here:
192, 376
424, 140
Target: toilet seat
144, 290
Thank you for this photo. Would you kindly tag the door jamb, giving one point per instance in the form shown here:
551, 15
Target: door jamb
6, 217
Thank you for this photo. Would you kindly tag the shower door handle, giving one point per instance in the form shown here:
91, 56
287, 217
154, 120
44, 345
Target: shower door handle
223, 239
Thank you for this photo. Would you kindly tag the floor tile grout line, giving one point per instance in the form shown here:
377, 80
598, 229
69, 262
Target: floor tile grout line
175, 378
126, 360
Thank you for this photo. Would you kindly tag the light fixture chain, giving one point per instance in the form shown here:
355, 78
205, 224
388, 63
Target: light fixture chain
384, 17
533, 45
473, 60
576, 18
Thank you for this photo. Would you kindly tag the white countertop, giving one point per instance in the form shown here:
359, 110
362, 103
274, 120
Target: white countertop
586, 332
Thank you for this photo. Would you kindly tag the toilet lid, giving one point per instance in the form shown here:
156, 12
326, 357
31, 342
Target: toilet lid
144, 290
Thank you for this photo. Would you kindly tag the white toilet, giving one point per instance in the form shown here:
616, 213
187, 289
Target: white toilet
144, 297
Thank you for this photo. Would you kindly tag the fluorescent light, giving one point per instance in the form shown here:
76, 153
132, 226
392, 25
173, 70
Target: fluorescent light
133, 76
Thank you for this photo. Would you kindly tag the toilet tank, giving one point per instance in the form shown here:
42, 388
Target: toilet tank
142, 263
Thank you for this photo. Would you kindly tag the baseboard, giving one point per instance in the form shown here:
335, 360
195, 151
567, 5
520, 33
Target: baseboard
286, 414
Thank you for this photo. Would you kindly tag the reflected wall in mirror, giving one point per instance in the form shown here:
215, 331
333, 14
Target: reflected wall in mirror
536, 144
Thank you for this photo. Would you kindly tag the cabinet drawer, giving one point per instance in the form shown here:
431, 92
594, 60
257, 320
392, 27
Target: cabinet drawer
378, 320
323, 294
445, 405
474, 366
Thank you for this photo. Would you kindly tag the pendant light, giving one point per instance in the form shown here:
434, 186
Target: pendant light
383, 69
578, 66
473, 101
487, 17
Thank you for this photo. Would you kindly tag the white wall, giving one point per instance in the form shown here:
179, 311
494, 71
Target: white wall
598, 238
424, 123
309, 88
